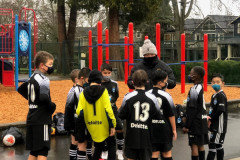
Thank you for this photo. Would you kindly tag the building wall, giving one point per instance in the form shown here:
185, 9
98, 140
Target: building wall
237, 28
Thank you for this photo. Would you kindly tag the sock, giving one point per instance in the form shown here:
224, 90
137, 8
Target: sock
201, 155
161, 156
120, 141
154, 158
73, 152
81, 155
194, 157
89, 150
168, 158
211, 155
220, 153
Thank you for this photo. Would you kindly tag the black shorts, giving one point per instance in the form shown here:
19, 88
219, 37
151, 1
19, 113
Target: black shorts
38, 137
198, 139
217, 138
83, 135
119, 122
139, 154
162, 147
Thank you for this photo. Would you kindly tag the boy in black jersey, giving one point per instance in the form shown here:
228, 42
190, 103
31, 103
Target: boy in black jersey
78, 77
41, 108
218, 115
196, 117
164, 130
112, 87
138, 109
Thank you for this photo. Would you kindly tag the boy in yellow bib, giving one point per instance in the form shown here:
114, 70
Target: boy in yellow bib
95, 112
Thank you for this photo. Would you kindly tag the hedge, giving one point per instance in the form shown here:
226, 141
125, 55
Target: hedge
229, 69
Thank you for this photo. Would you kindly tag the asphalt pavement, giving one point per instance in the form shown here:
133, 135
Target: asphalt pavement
181, 150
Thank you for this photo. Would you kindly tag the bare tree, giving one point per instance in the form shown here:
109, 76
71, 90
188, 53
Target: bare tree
180, 14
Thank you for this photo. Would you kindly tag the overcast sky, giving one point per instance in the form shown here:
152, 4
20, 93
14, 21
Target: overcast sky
212, 7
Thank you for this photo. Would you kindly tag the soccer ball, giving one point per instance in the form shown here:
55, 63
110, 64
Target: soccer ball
9, 140
53, 131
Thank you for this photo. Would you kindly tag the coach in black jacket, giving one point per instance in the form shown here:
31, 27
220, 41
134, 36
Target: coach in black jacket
151, 63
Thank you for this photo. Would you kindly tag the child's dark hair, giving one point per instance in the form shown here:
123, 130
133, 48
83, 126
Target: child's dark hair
158, 75
218, 75
42, 57
84, 72
139, 78
74, 74
106, 66
200, 71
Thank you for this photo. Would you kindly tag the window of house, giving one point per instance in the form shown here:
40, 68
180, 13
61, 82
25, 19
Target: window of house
85, 41
220, 36
198, 37
167, 37
238, 29
211, 37
138, 34
209, 26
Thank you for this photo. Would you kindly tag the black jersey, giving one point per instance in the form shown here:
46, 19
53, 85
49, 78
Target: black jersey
196, 111
218, 112
112, 87
41, 107
71, 106
139, 108
162, 130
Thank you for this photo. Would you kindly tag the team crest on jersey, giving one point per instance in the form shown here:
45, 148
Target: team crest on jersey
215, 101
211, 135
113, 89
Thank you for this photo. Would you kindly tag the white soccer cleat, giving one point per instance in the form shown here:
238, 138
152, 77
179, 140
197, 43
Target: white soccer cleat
104, 155
120, 154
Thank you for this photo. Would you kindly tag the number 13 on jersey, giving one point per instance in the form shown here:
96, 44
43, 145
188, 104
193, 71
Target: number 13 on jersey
145, 111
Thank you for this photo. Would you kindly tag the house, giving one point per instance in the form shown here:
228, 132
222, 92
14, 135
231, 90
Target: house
218, 28
232, 44
169, 44
82, 34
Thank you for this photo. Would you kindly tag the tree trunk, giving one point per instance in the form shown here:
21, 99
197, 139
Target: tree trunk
61, 33
71, 35
114, 37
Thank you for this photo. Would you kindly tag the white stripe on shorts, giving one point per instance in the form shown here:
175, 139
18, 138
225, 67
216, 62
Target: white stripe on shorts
45, 132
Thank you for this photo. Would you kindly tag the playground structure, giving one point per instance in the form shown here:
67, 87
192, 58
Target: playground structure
9, 53
128, 52
15, 41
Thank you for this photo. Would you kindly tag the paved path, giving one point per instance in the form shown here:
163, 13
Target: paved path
181, 150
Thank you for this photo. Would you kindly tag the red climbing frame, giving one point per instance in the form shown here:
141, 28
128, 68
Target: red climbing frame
6, 32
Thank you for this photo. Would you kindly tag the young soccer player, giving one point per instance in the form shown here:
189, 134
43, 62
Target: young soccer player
78, 77
138, 109
41, 108
218, 115
95, 112
196, 117
164, 130
112, 87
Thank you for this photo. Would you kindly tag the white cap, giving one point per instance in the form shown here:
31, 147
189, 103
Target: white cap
148, 47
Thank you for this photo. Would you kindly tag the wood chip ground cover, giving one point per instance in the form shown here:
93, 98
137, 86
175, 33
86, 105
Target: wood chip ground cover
14, 108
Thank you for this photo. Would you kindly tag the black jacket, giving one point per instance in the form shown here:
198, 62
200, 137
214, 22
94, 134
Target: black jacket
150, 68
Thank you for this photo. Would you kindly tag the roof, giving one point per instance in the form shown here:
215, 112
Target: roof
235, 19
191, 24
233, 40
222, 21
